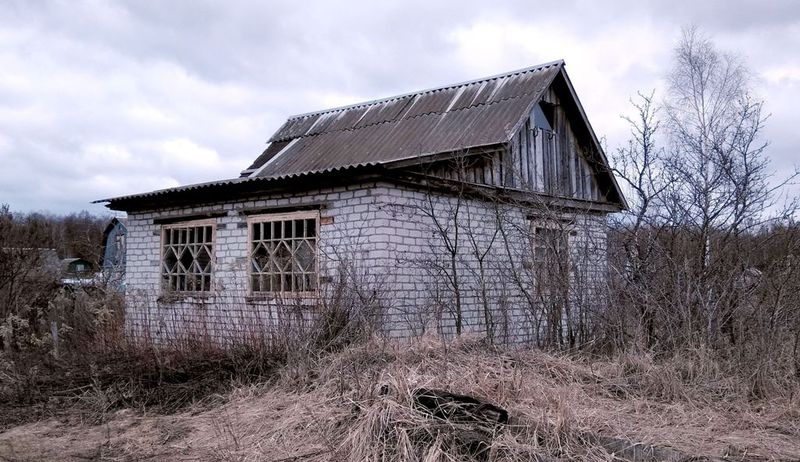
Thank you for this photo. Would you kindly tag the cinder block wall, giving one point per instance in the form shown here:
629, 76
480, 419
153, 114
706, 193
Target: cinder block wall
492, 244
382, 241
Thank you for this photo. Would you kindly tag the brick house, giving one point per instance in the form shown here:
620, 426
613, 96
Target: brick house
474, 207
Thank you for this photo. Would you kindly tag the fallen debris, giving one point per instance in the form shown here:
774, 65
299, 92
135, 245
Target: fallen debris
474, 422
459, 408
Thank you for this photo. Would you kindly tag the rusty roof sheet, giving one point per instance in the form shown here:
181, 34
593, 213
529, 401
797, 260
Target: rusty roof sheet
452, 118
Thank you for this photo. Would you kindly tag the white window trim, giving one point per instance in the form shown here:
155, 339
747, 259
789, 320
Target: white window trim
284, 216
189, 224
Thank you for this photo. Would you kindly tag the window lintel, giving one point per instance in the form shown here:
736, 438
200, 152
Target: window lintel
298, 215
190, 223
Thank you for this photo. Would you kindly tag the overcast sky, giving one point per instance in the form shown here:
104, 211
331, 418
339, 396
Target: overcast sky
101, 98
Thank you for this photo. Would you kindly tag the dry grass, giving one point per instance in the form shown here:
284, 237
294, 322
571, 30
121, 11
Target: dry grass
356, 405
94, 385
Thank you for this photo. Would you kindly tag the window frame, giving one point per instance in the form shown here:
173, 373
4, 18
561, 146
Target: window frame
544, 113
165, 228
565, 229
282, 217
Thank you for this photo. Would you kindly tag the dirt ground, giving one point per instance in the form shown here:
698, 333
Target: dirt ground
316, 412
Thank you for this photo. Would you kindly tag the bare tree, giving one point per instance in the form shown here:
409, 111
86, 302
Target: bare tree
642, 167
30, 247
689, 260
27, 278
481, 250
445, 218
464, 241
719, 166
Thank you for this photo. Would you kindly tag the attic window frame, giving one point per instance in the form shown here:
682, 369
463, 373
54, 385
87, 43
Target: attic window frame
252, 243
548, 112
167, 274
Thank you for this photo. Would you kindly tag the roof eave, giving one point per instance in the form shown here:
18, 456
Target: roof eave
226, 189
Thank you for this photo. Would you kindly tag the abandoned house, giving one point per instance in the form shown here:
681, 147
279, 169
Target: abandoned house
473, 207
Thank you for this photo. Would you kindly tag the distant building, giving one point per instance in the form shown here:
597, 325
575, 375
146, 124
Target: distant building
112, 260
76, 268
77, 272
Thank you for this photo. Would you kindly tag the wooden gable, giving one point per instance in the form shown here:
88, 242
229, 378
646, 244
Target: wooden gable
552, 152
555, 153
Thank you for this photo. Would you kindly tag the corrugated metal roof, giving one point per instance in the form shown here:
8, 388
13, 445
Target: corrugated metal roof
450, 118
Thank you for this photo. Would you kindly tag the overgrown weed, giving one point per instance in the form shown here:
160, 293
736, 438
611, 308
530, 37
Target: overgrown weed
102, 371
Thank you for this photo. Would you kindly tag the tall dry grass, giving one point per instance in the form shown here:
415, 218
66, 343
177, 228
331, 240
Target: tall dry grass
358, 405
88, 365
340, 392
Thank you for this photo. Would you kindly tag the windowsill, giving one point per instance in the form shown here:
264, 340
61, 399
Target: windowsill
172, 297
277, 296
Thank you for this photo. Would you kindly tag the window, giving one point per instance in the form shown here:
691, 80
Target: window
187, 251
283, 253
543, 115
550, 257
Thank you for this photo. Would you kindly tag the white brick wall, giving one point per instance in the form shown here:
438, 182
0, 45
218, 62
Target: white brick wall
384, 237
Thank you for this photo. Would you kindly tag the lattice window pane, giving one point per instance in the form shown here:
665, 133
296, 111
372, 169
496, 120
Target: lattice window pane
187, 257
283, 254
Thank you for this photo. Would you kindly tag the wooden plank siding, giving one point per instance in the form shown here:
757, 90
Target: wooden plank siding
485, 169
552, 162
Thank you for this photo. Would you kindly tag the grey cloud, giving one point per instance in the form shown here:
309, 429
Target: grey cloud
83, 82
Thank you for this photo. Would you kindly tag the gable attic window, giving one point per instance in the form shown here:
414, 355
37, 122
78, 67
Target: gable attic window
284, 253
187, 251
543, 116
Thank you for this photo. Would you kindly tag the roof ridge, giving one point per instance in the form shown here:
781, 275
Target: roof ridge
537, 67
